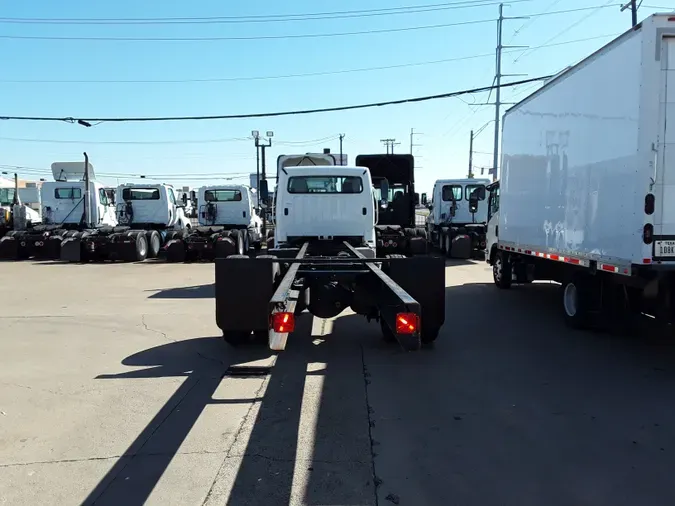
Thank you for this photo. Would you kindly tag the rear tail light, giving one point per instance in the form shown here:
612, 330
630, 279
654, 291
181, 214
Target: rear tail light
283, 322
649, 203
407, 323
648, 233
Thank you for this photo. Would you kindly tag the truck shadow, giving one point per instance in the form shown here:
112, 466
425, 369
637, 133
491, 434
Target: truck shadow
339, 392
203, 362
187, 292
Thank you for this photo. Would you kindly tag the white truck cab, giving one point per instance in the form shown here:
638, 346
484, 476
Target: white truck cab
325, 202
447, 192
150, 205
228, 205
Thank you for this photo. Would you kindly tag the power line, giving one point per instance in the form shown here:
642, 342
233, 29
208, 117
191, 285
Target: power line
247, 37
595, 10
164, 142
290, 76
271, 18
88, 121
274, 37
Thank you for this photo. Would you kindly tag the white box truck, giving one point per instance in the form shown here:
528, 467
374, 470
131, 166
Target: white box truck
587, 192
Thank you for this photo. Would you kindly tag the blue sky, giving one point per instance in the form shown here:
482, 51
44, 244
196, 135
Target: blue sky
217, 77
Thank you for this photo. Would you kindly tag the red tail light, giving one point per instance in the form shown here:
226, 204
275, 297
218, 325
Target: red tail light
407, 323
283, 322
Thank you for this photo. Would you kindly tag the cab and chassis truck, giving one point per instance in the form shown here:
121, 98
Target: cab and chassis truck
588, 183
324, 260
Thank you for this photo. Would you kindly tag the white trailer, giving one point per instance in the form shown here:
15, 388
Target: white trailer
587, 194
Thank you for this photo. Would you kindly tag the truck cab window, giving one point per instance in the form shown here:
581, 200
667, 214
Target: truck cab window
493, 202
468, 190
68, 193
103, 196
172, 197
222, 196
451, 190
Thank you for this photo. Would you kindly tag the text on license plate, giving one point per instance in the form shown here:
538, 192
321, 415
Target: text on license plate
664, 249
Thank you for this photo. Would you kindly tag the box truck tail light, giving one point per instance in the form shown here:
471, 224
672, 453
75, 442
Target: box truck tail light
648, 233
406, 323
283, 322
649, 203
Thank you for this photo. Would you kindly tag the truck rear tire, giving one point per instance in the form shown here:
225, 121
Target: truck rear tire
502, 273
238, 238
236, 337
429, 335
141, 247
154, 243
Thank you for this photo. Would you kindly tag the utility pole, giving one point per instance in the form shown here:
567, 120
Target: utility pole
261, 177
412, 144
390, 143
471, 155
342, 136
87, 202
633, 10
256, 138
497, 83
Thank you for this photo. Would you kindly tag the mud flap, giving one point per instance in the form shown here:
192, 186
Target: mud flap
424, 279
9, 248
244, 288
175, 251
52, 247
461, 247
71, 250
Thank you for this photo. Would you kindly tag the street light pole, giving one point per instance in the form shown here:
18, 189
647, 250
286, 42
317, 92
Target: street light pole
263, 146
256, 138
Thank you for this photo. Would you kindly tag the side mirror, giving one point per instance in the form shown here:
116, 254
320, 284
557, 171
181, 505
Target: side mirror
424, 199
264, 190
184, 199
473, 202
417, 199
384, 191
476, 195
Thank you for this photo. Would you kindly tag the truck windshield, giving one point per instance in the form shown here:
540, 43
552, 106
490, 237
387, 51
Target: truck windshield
6, 196
450, 190
222, 195
325, 184
140, 194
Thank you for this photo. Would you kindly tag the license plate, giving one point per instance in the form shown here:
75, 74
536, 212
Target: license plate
664, 249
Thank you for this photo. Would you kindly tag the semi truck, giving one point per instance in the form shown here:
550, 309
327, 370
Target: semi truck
71, 204
393, 178
458, 211
588, 183
228, 224
324, 260
17, 207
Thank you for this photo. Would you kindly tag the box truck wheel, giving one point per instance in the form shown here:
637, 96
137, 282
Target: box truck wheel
502, 273
577, 302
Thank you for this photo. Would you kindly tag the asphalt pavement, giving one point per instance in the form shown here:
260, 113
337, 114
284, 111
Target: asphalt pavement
115, 389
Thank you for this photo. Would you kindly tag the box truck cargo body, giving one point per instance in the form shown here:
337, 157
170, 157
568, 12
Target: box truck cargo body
588, 175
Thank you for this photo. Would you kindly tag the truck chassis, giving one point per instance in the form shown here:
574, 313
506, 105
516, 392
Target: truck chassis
257, 299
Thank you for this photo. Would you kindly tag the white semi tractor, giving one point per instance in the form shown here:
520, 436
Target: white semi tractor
458, 211
228, 224
587, 193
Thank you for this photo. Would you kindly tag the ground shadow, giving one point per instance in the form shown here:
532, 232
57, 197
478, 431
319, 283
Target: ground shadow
185, 292
202, 362
512, 398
